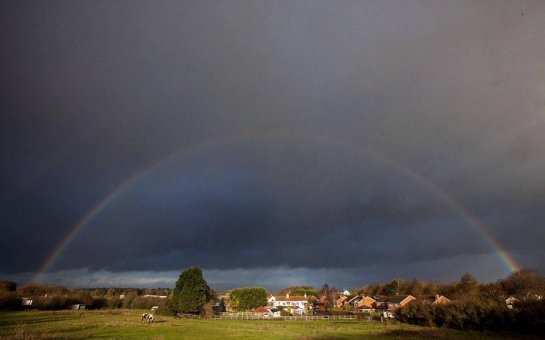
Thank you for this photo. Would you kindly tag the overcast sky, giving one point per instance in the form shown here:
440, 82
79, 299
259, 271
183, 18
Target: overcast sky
271, 142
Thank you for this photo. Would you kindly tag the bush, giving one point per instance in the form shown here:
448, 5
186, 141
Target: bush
140, 302
8, 286
166, 310
11, 303
463, 315
99, 303
420, 314
114, 303
247, 298
529, 316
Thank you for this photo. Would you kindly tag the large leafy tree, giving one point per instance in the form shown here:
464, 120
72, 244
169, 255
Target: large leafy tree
191, 291
248, 298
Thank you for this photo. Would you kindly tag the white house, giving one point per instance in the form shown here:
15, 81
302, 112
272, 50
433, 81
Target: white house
298, 303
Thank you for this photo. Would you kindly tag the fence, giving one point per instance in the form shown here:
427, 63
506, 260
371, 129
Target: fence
258, 316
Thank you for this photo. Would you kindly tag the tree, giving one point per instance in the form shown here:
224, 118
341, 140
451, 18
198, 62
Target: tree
417, 288
299, 290
327, 295
468, 288
392, 288
524, 284
191, 291
491, 292
248, 298
8, 286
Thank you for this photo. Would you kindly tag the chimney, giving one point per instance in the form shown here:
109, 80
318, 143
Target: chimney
288, 295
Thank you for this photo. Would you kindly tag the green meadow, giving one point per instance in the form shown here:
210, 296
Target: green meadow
125, 324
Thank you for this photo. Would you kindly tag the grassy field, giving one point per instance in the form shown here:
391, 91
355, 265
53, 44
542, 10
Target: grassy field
125, 324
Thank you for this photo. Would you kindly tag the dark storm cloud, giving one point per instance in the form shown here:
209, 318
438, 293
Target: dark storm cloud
302, 135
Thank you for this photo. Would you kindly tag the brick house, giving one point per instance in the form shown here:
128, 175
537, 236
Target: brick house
394, 302
367, 303
431, 299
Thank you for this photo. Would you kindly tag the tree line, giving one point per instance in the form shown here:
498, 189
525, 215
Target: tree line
477, 306
522, 284
51, 297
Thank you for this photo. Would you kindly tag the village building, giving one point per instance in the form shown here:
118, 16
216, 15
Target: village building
294, 304
392, 303
431, 299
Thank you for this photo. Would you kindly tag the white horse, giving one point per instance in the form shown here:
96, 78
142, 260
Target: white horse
148, 317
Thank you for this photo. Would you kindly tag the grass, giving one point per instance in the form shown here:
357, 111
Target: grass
125, 324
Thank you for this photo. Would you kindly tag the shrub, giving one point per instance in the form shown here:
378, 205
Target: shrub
8, 302
417, 314
165, 310
529, 316
114, 303
463, 315
99, 303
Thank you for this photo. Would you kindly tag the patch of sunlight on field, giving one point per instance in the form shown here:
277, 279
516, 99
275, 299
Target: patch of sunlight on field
126, 324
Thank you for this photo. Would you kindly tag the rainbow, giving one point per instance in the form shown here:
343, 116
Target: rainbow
502, 254
57, 252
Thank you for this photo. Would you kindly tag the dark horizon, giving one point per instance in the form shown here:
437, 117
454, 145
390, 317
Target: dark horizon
277, 290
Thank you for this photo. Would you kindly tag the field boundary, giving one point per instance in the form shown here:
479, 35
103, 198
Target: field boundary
248, 316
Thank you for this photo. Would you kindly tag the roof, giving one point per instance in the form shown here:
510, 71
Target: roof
365, 307
368, 298
393, 299
260, 310
430, 298
355, 297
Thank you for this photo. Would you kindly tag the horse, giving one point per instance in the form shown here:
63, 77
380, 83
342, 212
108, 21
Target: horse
148, 317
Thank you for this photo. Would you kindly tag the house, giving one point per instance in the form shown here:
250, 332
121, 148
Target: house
27, 302
339, 303
267, 312
348, 301
366, 304
261, 310
78, 306
223, 303
296, 310
394, 302
431, 299
285, 302
354, 301
510, 301
274, 312
318, 305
